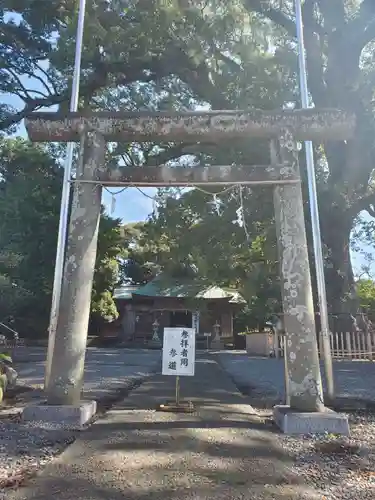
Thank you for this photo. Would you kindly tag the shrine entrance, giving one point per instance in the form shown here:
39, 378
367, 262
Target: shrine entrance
179, 319
282, 128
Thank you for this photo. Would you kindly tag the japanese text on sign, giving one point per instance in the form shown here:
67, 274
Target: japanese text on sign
179, 351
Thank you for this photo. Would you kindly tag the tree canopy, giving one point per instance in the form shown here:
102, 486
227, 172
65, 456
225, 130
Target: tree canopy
366, 294
152, 54
30, 190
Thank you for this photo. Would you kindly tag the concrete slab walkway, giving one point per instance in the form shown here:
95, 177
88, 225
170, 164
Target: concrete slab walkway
106, 369
265, 376
223, 451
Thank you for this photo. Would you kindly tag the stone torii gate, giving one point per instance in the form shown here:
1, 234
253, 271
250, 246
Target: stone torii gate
282, 128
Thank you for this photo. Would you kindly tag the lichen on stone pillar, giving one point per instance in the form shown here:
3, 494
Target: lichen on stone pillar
67, 369
299, 319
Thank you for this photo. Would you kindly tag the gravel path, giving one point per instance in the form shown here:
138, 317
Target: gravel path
26, 448
344, 468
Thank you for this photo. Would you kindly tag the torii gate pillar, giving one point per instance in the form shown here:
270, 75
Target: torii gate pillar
66, 377
72, 323
301, 351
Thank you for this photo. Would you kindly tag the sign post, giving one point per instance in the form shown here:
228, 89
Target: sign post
178, 360
178, 390
207, 335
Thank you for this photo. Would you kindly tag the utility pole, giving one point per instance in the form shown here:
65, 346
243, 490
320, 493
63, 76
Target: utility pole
65, 198
314, 211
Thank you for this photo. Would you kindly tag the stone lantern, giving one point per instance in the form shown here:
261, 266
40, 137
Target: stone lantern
216, 343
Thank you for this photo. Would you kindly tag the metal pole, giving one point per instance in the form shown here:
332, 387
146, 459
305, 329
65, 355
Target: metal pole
286, 373
314, 210
177, 390
65, 197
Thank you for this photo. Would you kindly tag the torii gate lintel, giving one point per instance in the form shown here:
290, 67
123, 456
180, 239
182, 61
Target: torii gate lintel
311, 124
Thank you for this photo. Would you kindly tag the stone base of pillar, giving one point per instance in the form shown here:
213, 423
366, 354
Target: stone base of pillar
64, 416
294, 422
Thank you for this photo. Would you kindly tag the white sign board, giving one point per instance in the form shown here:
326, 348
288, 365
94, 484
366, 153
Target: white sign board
179, 351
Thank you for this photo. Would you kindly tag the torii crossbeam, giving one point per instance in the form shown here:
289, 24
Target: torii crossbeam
311, 124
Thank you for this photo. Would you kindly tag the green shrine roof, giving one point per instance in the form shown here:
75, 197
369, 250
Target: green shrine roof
173, 288
125, 292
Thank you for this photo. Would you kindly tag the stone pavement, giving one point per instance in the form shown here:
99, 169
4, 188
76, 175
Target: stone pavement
264, 377
106, 369
223, 451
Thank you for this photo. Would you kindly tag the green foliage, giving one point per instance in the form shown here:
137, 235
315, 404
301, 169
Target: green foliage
153, 54
28, 36
107, 269
30, 190
29, 207
191, 234
366, 294
3, 385
103, 306
29, 210
5, 362
6, 358
140, 264
12, 298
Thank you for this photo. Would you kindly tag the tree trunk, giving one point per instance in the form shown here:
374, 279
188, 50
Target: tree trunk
341, 296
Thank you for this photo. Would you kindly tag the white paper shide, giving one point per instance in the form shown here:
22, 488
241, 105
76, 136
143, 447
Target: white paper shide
179, 352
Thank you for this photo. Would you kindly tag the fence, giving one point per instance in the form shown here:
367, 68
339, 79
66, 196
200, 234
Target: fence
344, 345
11, 340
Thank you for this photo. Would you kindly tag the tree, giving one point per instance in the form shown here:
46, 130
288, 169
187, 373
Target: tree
30, 190
12, 299
366, 294
28, 31
332, 29
196, 230
172, 55
215, 50
107, 270
29, 208
139, 264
